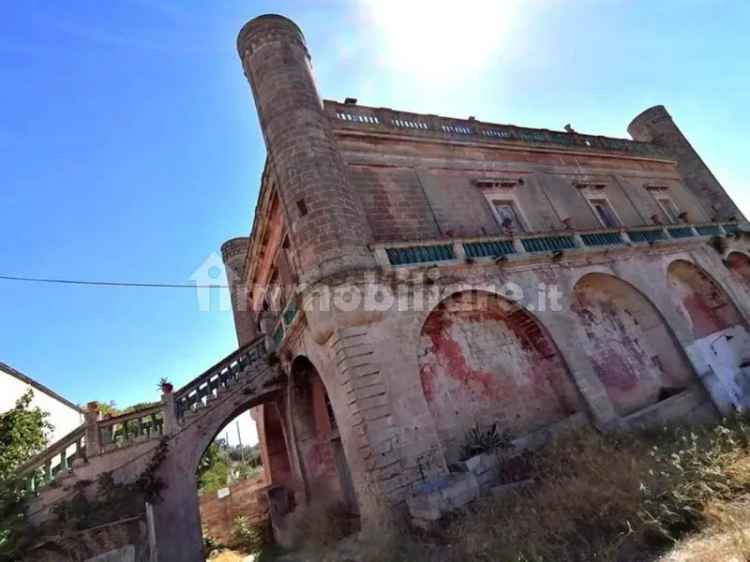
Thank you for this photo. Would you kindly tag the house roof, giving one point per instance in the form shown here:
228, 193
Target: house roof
38, 386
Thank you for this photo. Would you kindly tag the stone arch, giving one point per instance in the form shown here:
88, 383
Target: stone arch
324, 465
721, 344
215, 422
738, 264
483, 359
704, 302
177, 517
632, 348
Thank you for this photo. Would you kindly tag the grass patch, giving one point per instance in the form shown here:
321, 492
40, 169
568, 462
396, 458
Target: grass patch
603, 498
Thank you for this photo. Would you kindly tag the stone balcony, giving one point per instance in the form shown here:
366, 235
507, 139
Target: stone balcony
544, 245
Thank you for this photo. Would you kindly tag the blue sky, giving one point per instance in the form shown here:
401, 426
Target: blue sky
130, 150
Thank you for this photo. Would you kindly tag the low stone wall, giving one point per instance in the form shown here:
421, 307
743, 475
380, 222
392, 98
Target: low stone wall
126, 540
691, 406
220, 509
480, 475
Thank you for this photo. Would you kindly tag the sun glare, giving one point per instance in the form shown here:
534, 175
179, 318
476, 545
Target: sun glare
439, 39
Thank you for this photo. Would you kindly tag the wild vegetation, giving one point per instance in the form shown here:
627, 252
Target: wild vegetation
23, 434
478, 441
596, 497
111, 409
222, 464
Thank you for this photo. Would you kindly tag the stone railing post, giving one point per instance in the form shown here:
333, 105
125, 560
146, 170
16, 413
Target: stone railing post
93, 441
169, 411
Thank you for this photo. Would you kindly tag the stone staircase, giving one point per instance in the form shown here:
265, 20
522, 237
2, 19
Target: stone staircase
124, 445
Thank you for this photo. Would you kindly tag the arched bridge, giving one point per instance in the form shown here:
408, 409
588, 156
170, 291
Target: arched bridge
187, 420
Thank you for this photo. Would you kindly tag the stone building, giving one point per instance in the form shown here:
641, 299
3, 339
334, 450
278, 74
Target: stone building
418, 275
63, 415
408, 277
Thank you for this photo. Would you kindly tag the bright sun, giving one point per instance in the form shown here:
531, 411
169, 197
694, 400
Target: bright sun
440, 39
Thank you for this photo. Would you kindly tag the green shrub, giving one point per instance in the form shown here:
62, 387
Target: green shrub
250, 536
210, 544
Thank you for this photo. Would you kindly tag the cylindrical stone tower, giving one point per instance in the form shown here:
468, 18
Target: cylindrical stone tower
656, 126
327, 225
234, 252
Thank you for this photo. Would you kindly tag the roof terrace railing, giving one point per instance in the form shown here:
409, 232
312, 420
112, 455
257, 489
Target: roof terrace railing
382, 119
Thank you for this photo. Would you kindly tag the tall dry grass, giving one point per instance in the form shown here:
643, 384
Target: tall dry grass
596, 498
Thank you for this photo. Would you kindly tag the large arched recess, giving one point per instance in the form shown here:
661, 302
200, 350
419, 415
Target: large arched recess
483, 359
721, 343
324, 464
704, 302
633, 350
739, 264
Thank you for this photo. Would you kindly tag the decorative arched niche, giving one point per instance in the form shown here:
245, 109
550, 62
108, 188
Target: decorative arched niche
633, 350
485, 360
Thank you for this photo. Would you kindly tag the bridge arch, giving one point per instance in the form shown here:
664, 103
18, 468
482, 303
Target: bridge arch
632, 348
244, 380
484, 359
223, 414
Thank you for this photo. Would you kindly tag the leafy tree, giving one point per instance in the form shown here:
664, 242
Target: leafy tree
109, 408
139, 406
250, 454
213, 469
23, 433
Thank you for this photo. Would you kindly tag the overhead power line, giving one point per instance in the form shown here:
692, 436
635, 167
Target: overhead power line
111, 283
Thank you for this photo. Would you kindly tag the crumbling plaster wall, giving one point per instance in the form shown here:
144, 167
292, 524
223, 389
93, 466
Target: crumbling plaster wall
720, 346
630, 345
386, 348
483, 360
313, 430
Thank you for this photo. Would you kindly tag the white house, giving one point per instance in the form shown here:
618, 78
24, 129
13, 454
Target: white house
63, 414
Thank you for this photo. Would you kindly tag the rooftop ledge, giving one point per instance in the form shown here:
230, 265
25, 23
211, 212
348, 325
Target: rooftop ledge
358, 117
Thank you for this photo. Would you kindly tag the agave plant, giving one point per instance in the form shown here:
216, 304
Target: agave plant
478, 441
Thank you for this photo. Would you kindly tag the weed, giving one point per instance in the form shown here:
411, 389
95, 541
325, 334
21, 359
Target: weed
478, 441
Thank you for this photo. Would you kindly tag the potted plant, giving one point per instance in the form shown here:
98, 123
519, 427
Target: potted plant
165, 386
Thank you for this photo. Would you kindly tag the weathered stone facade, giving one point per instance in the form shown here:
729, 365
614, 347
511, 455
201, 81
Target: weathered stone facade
409, 276
416, 225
